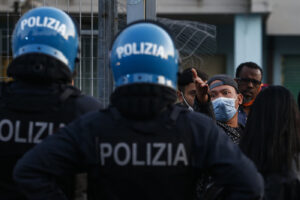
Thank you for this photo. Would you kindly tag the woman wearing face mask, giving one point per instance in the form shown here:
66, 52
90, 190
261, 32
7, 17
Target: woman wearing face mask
226, 100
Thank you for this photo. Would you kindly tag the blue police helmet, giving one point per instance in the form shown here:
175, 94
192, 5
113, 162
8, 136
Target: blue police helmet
144, 52
48, 31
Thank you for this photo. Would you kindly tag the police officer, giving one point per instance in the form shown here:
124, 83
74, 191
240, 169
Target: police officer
40, 99
143, 146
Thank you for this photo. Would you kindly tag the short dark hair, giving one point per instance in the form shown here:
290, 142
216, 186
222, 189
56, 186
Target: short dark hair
186, 77
271, 138
250, 65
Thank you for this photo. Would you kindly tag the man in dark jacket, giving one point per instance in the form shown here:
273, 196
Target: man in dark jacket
248, 77
40, 99
143, 146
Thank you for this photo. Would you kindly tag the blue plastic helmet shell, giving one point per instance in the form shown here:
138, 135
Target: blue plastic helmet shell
144, 53
49, 31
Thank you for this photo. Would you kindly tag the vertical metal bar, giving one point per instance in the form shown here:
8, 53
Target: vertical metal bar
80, 39
135, 10
141, 10
144, 9
106, 31
101, 59
1, 60
7, 34
150, 9
92, 49
68, 8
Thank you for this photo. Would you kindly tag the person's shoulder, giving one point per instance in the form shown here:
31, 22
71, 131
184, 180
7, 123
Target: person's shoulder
88, 99
87, 103
85, 118
198, 119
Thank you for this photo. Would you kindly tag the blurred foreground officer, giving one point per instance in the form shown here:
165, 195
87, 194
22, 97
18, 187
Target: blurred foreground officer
40, 100
142, 146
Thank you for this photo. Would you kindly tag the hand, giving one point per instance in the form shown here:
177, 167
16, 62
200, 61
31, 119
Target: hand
201, 88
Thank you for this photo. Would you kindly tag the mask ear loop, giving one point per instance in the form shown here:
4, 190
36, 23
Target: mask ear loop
189, 107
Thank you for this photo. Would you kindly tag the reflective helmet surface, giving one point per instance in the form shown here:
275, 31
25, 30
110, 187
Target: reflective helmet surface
49, 31
144, 53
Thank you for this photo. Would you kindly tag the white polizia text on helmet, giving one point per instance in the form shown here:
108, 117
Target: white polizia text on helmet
142, 48
49, 22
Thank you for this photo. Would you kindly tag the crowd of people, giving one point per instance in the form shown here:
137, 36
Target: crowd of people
164, 135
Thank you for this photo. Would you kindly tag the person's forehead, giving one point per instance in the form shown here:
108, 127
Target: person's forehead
190, 86
221, 87
248, 72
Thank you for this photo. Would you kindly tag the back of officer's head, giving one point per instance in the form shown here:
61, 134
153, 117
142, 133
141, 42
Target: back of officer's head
45, 46
144, 62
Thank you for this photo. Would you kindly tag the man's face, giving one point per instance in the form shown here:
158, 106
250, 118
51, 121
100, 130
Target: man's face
189, 94
226, 91
249, 82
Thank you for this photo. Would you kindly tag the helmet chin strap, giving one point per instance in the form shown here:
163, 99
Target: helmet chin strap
186, 103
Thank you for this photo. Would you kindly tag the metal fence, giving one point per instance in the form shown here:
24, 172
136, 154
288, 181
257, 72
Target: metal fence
85, 13
99, 21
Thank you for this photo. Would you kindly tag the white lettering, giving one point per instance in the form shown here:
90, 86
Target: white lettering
17, 132
31, 22
149, 154
51, 23
120, 51
62, 29
127, 49
135, 160
23, 23
154, 49
43, 127
147, 51
180, 155
30, 132
169, 154
38, 22
50, 130
105, 151
155, 161
61, 125
142, 45
10, 130
127, 154
56, 25
45, 21
135, 51
142, 48
161, 52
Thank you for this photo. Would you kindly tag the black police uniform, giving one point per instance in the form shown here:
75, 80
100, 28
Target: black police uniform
28, 114
159, 158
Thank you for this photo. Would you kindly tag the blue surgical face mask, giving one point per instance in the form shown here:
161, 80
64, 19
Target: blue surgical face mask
224, 108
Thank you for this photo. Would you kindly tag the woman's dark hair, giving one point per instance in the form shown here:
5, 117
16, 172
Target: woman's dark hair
299, 100
271, 137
